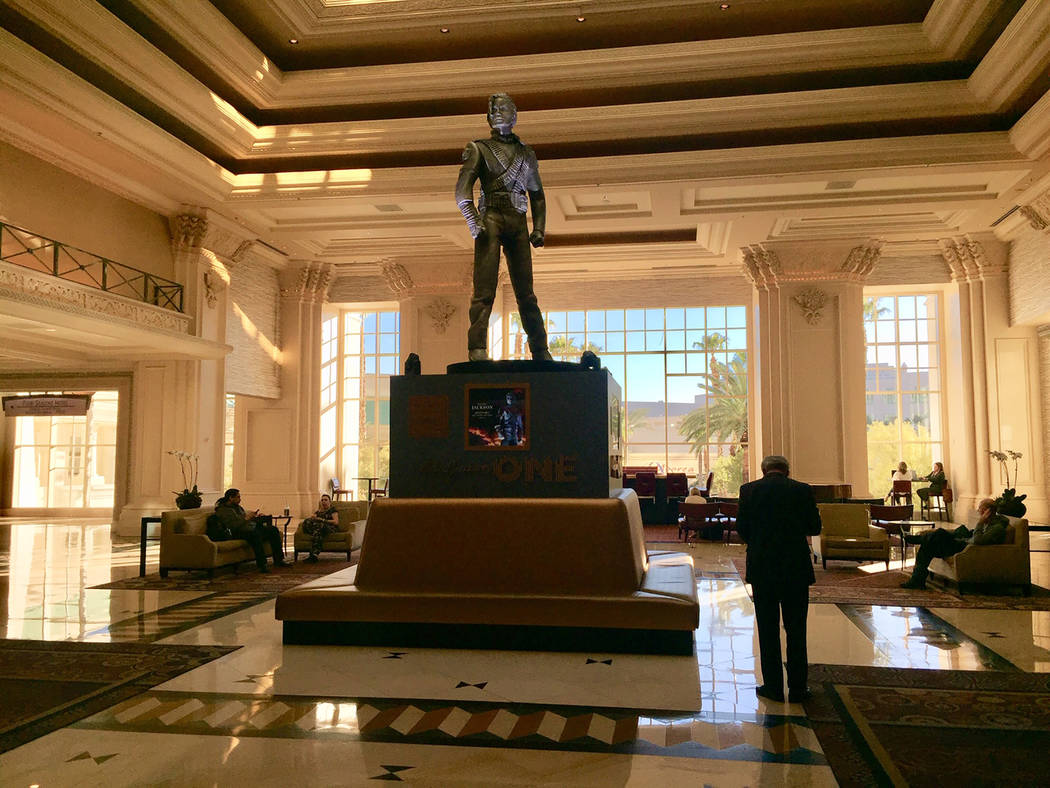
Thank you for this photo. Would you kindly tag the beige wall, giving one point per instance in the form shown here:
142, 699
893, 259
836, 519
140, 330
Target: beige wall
50, 202
633, 293
1030, 277
252, 329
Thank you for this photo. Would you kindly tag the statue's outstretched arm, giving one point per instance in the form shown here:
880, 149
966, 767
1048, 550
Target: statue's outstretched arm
468, 173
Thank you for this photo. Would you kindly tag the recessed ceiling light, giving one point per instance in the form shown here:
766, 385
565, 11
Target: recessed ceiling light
444, 30
724, 6
581, 18
293, 40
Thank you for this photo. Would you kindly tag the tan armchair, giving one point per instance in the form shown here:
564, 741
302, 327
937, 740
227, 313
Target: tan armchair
1008, 563
352, 517
184, 543
847, 535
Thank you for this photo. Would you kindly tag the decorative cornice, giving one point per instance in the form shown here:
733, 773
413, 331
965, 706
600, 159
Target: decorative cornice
440, 312
24, 285
967, 261
397, 278
811, 301
306, 281
1043, 331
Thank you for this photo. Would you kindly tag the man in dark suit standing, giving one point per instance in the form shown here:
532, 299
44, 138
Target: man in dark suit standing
775, 517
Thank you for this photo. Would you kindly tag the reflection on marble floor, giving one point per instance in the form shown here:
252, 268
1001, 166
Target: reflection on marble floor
276, 713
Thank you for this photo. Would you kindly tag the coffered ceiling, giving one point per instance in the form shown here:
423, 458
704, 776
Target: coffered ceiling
670, 133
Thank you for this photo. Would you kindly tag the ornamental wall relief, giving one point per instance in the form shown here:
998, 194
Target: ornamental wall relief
811, 301
440, 312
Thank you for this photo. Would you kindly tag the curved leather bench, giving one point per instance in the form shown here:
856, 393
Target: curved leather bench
550, 574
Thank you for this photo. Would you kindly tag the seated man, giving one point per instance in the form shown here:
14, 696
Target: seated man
232, 522
942, 543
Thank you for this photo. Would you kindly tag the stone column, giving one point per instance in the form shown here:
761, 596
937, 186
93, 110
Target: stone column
278, 440
994, 391
434, 312
180, 404
809, 343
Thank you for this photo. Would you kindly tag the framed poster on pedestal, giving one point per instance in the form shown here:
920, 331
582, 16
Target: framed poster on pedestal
497, 417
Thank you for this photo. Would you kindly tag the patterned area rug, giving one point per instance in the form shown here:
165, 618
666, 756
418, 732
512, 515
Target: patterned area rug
896, 726
851, 586
246, 579
47, 686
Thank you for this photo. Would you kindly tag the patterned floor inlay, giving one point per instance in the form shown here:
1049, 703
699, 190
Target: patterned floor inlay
154, 625
766, 738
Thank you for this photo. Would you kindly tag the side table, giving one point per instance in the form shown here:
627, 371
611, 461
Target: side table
142, 541
287, 519
905, 530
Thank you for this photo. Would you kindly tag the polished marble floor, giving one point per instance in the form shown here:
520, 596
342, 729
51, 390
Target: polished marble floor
274, 714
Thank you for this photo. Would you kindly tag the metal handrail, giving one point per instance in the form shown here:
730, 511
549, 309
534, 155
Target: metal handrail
75, 265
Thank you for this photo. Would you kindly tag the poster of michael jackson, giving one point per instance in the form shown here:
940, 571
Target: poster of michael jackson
497, 416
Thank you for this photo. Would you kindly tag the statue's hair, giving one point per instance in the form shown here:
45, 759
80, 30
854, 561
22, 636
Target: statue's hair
506, 96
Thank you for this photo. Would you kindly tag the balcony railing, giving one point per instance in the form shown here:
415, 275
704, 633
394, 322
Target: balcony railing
21, 247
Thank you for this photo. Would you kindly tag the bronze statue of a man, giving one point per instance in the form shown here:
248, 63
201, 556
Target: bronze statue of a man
508, 171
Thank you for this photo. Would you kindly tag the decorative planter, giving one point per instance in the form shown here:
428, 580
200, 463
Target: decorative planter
188, 500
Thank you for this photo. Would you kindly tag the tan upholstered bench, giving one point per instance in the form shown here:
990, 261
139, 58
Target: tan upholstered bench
538, 574
184, 543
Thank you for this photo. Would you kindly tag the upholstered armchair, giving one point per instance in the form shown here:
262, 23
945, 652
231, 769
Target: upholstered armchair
1008, 563
352, 517
847, 535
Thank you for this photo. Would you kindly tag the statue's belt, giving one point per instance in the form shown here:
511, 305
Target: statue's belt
505, 201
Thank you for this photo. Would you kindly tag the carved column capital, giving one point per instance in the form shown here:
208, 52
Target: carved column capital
967, 260
761, 266
188, 231
825, 261
397, 278
195, 229
861, 260
1037, 212
1034, 217
306, 281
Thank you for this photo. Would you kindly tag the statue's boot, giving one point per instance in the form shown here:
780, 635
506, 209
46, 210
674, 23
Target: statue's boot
541, 354
478, 354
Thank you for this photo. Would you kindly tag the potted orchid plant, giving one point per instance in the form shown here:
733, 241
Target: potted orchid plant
1009, 502
190, 497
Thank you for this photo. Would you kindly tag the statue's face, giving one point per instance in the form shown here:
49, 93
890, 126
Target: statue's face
502, 114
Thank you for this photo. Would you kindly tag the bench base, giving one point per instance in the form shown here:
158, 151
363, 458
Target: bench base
489, 636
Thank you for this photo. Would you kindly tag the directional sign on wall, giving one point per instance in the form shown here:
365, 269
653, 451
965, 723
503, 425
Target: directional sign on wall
47, 405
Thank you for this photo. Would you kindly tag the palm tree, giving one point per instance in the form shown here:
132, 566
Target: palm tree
871, 312
723, 417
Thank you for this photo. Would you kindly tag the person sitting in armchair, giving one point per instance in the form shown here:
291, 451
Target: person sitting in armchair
323, 522
230, 521
942, 543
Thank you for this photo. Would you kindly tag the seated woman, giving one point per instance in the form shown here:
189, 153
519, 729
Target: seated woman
937, 482
323, 522
695, 496
902, 474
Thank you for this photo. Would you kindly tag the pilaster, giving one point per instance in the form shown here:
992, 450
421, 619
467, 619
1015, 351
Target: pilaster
809, 343
994, 398
278, 440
